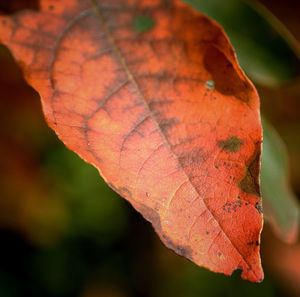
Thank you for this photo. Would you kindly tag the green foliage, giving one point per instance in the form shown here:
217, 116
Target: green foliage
280, 205
94, 209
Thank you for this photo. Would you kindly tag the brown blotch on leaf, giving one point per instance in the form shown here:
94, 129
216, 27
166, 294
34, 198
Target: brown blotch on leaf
250, 182
232, 206
181, 250
190, 158
231, 144
253, 243
226, 78
259, 207
167, 124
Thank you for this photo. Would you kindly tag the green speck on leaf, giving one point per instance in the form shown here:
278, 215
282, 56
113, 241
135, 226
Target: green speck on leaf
143, 23
232, 144
210, 84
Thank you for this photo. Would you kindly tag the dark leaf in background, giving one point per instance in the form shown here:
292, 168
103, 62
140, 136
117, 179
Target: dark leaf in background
280, 203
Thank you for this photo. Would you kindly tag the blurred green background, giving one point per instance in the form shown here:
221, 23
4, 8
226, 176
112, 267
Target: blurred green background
63, 232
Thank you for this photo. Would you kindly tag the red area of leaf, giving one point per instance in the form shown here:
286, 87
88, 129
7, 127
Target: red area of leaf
165, 114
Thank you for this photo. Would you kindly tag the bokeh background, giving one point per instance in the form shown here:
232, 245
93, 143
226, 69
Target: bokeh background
64, 233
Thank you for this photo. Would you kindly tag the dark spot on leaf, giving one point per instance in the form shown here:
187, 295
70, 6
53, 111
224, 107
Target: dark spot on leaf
184, 251
194, 157
143, 23
254, 243
259, 207
167, 124
232, 206
232, 144
250, 182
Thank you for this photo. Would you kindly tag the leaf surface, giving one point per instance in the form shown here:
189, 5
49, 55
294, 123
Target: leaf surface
150, 93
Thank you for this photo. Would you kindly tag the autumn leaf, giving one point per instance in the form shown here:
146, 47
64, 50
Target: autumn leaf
151, 94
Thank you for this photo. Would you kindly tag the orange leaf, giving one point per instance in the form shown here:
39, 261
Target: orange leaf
150, 93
